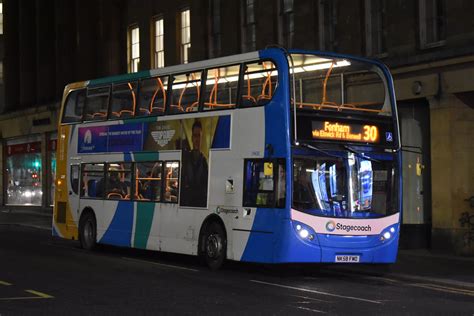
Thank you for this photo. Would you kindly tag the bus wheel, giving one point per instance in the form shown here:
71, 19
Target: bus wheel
87, 231
215, 246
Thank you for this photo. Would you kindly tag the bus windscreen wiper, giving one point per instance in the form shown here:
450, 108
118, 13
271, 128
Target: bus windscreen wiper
360, 154
319, 150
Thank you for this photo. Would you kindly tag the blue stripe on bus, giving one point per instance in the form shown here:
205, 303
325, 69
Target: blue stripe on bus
119, 232
222, 133
261, 246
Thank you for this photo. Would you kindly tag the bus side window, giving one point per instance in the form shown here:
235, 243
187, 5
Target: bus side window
118, 181
97, 102
92, 180
75, 178
171, 182
221, 88
185, 93
264, 183
148, 177
259, 83
152, 96
124, 100
74, 107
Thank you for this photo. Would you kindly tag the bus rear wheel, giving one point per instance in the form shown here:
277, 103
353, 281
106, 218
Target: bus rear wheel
88, 231
214, 246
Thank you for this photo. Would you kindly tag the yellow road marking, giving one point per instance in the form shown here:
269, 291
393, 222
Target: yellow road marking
4, 283
40, 294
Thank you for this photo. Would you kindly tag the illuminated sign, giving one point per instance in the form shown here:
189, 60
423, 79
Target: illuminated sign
363, 133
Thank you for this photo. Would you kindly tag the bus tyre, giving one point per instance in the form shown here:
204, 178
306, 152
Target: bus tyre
87, 231
214, 246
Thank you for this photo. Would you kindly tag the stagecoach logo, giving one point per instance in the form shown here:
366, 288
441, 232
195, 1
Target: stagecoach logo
330, 226
162, 138
333, 226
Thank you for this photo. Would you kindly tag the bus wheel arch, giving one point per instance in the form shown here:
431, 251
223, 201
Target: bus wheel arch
88, 229
212, 246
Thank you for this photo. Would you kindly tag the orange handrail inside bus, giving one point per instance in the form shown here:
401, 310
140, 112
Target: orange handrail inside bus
326, 82
266, 84
161, 88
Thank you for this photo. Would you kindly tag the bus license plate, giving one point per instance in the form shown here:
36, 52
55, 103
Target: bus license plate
347, 258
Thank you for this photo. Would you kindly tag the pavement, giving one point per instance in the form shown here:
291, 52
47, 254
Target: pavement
418, 266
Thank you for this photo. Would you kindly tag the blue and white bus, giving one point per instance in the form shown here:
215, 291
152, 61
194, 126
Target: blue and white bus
272, 156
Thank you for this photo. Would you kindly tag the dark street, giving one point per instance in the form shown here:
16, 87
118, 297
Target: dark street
44, 275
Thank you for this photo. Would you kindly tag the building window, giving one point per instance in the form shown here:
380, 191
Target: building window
158, 43
375, 31
1, 17
432, 23
327, 14
286, 22
134, 49
185, 35
248, 26
214, 28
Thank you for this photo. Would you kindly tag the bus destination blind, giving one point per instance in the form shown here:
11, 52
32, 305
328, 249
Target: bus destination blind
353, 132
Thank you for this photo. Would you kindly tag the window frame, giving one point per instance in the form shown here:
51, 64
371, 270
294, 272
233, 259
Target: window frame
84, 89
182, 44
238, 90
171, 83
81, 183
106, 117
109, 108
154, 59
242, 78
278, 162
130, 43
424, 27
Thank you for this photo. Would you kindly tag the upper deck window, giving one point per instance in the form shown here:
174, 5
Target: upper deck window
221, 88
152, 97
74, 106
331, 84
96, 104
124, 99
260, 83
185, 95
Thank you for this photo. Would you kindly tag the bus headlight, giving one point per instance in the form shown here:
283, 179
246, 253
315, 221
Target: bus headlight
388, 233
304, 231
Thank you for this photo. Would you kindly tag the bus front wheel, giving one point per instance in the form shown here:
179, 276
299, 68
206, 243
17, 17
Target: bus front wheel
215, 245
87, 231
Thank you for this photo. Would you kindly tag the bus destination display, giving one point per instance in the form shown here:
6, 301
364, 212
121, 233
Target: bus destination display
353, 132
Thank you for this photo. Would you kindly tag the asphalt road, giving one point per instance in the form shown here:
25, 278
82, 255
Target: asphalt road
42, 275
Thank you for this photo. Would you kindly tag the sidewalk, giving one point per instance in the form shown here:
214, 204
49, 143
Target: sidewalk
417, 266
26, 216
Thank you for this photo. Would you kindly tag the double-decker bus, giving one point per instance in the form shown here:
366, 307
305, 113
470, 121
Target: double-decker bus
273, 156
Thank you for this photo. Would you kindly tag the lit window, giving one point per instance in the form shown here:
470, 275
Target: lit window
432, 23
185, 35
375, 31
248, 26
134, 48
159, 47
1, 17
